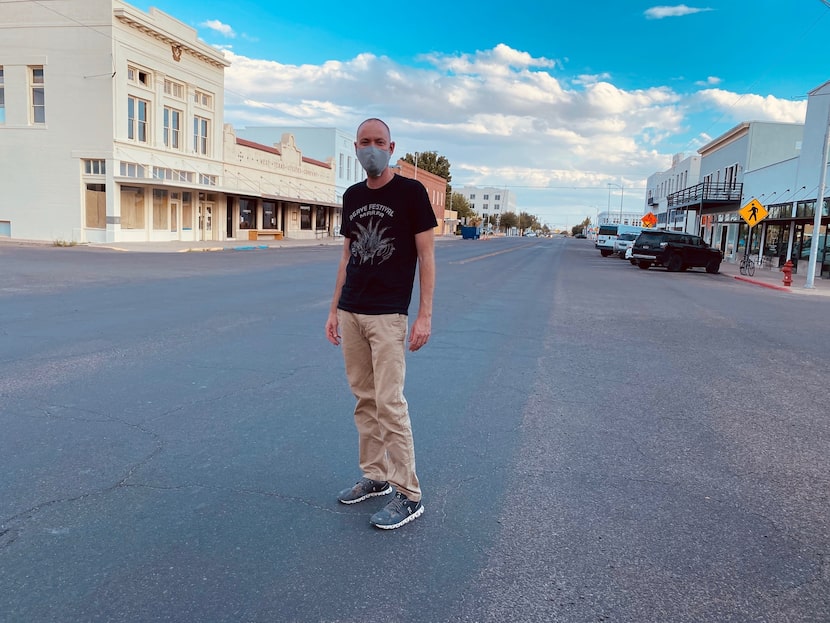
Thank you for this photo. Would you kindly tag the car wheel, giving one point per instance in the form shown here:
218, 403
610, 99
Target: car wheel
633, 262
644, 264
605, 252
675, 263
713, 267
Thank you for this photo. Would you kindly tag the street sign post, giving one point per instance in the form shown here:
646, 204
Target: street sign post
753, 213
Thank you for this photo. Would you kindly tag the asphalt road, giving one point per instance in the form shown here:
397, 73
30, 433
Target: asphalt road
595, 443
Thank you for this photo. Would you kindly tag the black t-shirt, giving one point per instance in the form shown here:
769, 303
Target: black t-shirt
381, 225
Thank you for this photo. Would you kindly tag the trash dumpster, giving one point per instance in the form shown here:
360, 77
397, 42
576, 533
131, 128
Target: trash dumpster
470, 233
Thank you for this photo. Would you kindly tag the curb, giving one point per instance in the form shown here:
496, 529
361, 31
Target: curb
763, 284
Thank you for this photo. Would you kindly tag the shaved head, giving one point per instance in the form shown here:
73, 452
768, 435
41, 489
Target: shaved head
376, 120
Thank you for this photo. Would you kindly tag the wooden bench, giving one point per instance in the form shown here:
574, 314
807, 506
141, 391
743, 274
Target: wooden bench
261, 234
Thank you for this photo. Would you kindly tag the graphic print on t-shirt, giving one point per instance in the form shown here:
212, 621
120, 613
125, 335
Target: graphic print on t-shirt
369, 245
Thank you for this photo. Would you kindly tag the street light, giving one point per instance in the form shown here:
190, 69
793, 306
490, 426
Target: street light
622, 192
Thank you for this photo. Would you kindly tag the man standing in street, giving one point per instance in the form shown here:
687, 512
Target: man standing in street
388, 225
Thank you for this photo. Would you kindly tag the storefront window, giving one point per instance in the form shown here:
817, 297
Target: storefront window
269, 214
321, 223
781, 210
160, 210
776, 241
96, 206
247, 214
132, 207
187, 211
305, 217
805, 209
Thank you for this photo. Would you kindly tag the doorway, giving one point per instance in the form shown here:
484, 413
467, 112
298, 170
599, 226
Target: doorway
205, 220
174, 218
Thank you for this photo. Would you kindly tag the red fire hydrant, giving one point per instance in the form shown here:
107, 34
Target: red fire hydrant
787, 269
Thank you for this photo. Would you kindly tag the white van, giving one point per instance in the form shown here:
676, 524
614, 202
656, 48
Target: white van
607, 236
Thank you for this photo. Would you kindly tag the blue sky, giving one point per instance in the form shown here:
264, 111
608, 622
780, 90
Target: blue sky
554, 101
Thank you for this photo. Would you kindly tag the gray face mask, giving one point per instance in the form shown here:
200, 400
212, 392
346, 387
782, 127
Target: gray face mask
373, 160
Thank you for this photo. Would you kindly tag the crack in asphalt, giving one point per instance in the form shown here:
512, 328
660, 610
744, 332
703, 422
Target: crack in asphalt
9, 531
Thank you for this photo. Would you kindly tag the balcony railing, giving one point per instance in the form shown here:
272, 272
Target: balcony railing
706, 192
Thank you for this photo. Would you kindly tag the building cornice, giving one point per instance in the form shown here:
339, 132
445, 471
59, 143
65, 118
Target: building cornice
145, 24
735, 133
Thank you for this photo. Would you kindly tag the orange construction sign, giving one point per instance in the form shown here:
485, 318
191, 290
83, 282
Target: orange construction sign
649, 220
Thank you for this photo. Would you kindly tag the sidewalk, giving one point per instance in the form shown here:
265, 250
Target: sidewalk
197, 246
213, 245
773, 278
184, 246
225, 245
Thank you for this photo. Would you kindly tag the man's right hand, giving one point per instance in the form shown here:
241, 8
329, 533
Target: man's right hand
332, 333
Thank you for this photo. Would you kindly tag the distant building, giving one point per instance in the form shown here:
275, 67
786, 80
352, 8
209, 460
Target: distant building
278, 188
436, 187
319, 143
684, 173
489, 202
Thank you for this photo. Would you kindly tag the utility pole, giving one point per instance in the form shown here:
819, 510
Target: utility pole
819, 209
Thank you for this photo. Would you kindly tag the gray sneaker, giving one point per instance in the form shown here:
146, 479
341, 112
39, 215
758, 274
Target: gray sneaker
399, 511
364, 489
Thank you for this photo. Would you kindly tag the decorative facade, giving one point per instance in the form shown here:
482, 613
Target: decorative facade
111, 129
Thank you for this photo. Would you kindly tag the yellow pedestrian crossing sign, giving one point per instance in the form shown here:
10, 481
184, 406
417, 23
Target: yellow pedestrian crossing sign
753, 212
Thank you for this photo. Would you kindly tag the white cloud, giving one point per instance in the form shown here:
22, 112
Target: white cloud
501, 116
660, 12
709, 82
751, 107
217, 26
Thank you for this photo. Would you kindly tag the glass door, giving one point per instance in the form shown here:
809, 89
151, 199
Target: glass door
174, 218
205, 220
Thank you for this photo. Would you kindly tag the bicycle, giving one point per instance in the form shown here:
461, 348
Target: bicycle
747, 266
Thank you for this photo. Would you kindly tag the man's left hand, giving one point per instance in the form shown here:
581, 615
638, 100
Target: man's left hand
419, 334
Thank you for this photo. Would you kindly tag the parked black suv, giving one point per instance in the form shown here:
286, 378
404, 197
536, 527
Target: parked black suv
674, 250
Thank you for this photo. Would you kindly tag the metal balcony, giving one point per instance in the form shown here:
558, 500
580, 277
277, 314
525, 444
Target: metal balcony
708, 196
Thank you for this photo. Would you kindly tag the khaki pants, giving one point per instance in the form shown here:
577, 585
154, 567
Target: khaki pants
374, 349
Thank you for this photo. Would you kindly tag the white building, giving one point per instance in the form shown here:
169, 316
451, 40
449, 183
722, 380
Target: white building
93, 115
489, 202
111, 129
616, 217
777, 164
684, 173
788, 188
709, 205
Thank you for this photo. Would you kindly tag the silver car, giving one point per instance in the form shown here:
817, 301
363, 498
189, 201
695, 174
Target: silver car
623, 243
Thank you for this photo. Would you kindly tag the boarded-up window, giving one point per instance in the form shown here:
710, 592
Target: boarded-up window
161, 212
132, 207
187, 211
96, 206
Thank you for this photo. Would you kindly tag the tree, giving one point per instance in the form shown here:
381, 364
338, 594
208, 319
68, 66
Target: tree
462, 206
580, 229
431, 162
527, 221
508, 220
